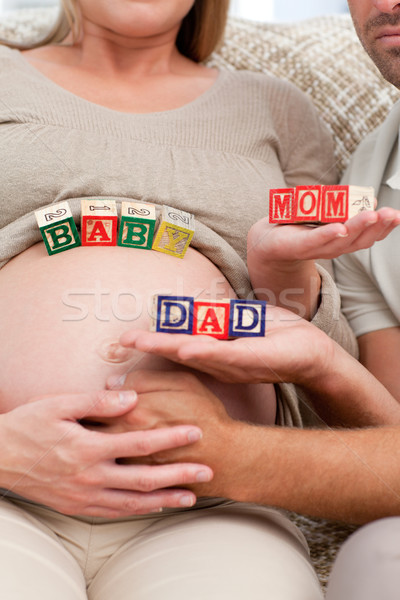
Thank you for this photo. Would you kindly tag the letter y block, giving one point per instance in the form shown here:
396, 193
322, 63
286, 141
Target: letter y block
175, 232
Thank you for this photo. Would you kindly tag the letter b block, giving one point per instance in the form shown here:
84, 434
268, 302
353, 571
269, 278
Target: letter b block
175, 232
138, 221
57, 227
99, 221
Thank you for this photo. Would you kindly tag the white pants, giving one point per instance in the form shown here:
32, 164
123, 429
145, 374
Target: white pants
368, 565
226, 551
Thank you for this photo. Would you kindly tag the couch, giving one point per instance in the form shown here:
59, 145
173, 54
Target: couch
324, 58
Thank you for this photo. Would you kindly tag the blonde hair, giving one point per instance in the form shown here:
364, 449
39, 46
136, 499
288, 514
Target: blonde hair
201, 32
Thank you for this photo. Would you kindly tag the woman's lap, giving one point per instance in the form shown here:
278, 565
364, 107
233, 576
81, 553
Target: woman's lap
225, 551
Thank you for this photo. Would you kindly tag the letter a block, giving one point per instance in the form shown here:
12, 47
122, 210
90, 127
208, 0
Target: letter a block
58, 228
99, 221
172, 314
138, 222
247, 318
211, 318
175, 231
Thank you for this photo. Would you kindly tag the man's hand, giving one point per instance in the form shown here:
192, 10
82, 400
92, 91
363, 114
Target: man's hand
51, 458
293, 350
167, 399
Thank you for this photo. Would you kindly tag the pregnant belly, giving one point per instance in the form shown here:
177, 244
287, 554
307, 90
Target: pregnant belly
62, 315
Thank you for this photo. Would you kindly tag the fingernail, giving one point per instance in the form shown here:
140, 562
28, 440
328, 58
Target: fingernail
342, 235
116, 381
202, 476
187, 501
126, 397
194, 436
156, 510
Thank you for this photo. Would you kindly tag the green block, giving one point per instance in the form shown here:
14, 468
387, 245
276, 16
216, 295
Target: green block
136, 233
60, 236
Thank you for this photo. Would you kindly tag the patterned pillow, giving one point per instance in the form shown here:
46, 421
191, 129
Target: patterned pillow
322, 56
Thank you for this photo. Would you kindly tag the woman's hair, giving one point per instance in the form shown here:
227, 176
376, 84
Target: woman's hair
201, 32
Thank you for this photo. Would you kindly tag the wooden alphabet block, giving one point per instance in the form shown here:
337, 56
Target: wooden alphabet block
172, 314
307, 204
247, 318
319, 204
211, 318
138, 222
57, 227
341, 202
221, 319
99, 222
281, 204
175, 231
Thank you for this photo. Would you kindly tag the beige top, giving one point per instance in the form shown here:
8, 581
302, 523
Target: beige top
216, 157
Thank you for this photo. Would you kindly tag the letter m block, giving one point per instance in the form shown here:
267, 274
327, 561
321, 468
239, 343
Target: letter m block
281, 205
57, 227
335, 203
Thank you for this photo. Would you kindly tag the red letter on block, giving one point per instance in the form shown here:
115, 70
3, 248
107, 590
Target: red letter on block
281, 205
307, 204
335, 203
211, 318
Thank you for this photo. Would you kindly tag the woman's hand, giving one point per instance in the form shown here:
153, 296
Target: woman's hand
300, 242
51, 458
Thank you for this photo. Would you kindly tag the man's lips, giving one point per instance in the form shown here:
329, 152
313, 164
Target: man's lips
388, 35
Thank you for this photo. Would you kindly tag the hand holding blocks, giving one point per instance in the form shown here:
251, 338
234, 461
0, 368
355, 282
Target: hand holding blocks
319, 204
220, 319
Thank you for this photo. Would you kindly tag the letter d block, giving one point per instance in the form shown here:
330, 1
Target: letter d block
138, 222
99, 221
211, 318
281, 205
247, 318
175, 232
172, 314
58, 228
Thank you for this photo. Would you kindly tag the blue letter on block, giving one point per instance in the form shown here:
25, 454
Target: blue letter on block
175, 314
247, 318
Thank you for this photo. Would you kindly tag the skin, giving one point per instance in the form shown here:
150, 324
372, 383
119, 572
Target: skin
283, 255
264, 464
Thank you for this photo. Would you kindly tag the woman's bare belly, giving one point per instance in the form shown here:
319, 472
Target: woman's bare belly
61, 315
